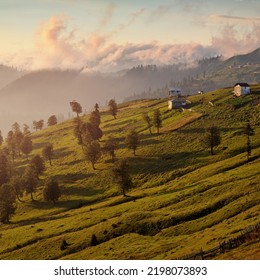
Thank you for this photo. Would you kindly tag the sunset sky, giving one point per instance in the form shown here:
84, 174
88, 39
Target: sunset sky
112, 35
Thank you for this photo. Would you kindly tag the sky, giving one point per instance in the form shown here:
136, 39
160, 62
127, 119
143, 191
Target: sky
100, 35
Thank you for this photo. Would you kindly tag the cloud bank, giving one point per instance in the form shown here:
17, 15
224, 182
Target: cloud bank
59, 46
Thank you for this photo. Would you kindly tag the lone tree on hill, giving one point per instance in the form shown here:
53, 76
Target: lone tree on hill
121, 176
112, 105
249, 131
212, 138
76, 107
7, 203
148, 121
37, 164
132, 140
110, 147
17, 184
52, 120
51, 191
92, 152
47, 152
26, 145
30, 179
157, 120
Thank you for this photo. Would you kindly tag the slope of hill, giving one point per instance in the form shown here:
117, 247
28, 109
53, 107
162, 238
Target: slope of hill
183, 198
8, 75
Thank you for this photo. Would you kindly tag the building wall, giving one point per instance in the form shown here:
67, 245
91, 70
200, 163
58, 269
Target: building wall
238, 90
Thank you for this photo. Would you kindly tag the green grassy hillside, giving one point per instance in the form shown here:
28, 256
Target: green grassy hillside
183, 198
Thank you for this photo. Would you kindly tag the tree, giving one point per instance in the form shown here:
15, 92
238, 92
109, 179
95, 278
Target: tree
4, 174
51, 191
132, 140
110, 146
17, 137
121, 176
95, 118
157, 120
96, 107
17, 184
30, 179
40, 124
93, 130
92, 152
148, 121
26, 129
35, 125
112, 105
52, 120
78, 131
26, 145
11, 143
249, 131
37, 164
7, 203
212, 138
47, 152
1, 138
76, 107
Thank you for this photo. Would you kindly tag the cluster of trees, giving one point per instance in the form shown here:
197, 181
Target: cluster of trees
38, 125
13, 183
155, 121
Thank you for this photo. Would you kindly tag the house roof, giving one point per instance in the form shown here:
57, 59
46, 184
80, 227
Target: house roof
242, 84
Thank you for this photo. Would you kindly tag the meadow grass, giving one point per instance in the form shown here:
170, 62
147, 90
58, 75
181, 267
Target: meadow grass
183, 198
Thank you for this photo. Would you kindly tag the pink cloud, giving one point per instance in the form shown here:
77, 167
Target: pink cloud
58, 46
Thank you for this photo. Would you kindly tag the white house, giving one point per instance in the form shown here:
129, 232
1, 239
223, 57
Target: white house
241, 89
176, 103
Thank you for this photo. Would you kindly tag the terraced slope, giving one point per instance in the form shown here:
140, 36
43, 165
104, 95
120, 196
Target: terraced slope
183, 200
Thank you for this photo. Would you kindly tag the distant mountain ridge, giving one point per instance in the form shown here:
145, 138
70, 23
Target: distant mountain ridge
42, 93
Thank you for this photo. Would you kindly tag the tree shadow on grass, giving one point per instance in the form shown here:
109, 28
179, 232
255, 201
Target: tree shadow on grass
61, 152
72, 177
164, 163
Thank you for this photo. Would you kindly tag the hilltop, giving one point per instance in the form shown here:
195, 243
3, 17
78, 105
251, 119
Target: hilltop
183, 199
